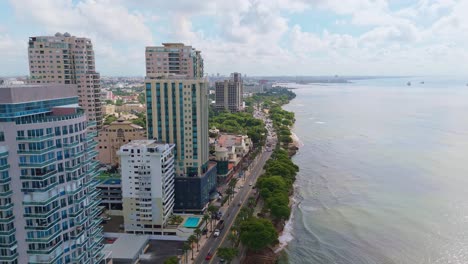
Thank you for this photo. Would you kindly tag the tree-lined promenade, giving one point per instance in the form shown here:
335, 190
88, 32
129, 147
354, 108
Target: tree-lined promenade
258, 232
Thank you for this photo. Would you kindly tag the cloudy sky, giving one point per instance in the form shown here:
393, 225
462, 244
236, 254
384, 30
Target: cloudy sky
256, 37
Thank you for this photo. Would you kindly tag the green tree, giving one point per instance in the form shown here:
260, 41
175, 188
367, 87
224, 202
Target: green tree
109, 119
258, 233
171, 260
212, 209
228, 254
192, 240
280, 211
186, 247
118, 102
206, 217
197, 233
142, 98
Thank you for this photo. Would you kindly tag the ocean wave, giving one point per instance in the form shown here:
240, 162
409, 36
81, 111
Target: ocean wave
287, 234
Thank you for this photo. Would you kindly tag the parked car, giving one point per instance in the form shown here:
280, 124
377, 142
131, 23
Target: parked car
209, 256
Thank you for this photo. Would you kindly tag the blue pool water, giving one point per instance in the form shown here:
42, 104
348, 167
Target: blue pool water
192, 222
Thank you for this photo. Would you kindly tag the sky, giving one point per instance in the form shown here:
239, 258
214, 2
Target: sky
254, 37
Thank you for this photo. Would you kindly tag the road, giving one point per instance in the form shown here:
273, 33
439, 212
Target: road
231, 212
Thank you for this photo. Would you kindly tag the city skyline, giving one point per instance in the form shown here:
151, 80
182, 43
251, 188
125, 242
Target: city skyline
297, 37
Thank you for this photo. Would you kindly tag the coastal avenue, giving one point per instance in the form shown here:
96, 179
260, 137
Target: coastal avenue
231, 212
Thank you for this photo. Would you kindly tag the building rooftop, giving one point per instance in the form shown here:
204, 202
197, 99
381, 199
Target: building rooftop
127, 246
227, 140
21, 93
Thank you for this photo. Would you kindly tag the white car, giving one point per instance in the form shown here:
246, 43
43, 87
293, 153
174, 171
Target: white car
250, 184
216, 233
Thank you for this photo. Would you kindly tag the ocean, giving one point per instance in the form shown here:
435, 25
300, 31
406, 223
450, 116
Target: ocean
383, 173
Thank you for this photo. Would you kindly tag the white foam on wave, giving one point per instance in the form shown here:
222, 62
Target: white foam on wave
296, 139
287, 234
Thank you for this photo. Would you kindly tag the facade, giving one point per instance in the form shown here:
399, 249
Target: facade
48, 198
228, 93
147, 185
130, 108
177, 113
66, 59
173, 58
110, 194
229, 152
115, 135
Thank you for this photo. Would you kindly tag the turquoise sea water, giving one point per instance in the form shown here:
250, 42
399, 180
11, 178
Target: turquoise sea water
384, 172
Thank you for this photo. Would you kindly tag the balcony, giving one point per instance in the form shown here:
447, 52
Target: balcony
6, 194
47, 239
9, 258
35, 139
5, 180
43, 225
7, 232
42, 177
35, 152
6, 206
38, 165
45, 251
43, 203
77, 232
7, 219
73, 167
42, 215
48, 188
4, 167
71, 145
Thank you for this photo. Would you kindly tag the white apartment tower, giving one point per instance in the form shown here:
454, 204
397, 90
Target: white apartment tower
148, 172
66, 59
48, 196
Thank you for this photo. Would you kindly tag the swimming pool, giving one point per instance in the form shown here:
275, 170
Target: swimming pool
192, 222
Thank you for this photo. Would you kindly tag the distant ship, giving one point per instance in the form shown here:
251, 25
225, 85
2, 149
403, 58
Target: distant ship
422, 82
409, 84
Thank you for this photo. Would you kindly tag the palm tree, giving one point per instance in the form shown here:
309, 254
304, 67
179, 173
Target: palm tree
196, 240
233, 238
186, 247
212, 209
206, 217
229, 192
198, 233
191, 239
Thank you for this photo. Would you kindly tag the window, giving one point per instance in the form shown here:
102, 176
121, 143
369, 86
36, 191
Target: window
2, 136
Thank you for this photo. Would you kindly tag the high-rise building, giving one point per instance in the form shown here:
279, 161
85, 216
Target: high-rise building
147, 185
228, 93
113, 136
48, 205
177, 113
173, 58
66, 59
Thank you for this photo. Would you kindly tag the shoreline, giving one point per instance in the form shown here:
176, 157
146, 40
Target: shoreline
286, 234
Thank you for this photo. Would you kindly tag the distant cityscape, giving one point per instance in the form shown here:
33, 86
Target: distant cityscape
90, 164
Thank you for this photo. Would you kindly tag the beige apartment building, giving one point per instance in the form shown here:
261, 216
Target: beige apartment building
115, 135
228, 94
173, 58
66, 59
177, 113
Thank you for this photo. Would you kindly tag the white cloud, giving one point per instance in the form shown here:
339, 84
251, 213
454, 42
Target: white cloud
258, 37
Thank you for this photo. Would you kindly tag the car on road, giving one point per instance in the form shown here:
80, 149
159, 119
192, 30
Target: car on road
250, 183
239, 204
209, 256
216, 233
222, 260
